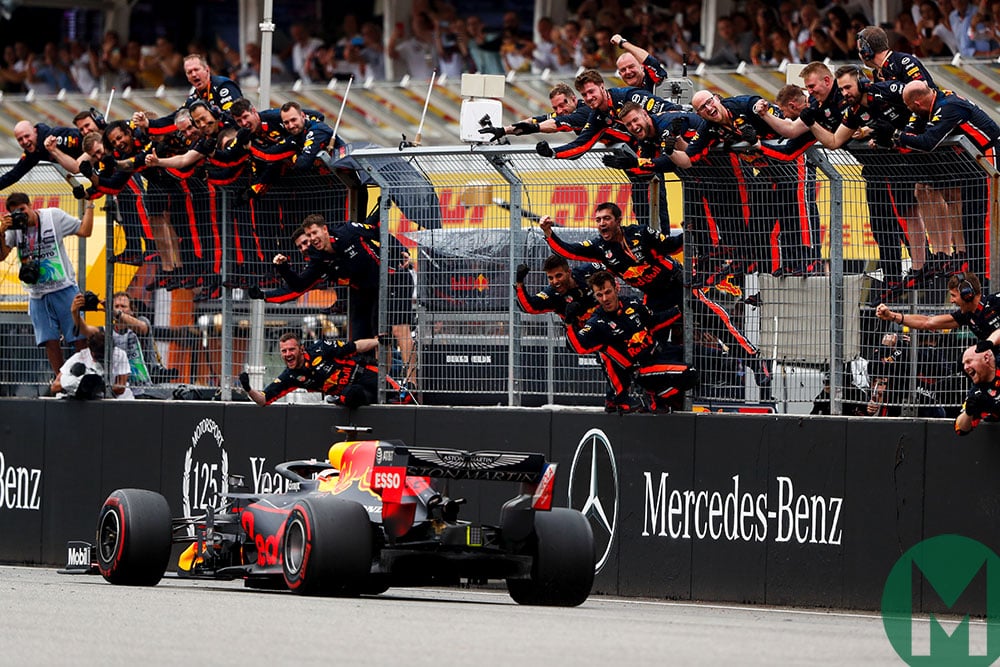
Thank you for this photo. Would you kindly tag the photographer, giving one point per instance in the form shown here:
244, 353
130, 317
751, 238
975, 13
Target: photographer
46, 271
82, 376
130, 334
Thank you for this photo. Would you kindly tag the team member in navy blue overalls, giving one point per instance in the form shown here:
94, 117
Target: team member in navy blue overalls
978, 312
569, 114
31, 139
633, 338
981, 404
343, 371
876, 110
603, 125
568, 295
345, 250
937, 115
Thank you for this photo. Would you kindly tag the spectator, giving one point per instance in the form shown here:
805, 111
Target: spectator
453, 57
85, 67
372, 51
907, 27
171, 63
303, 44
46, 270
731, 48
484, 47
131, 334
936, 38
49, 74
765, 22
322, 63
350, 61
248, 74
344, 372
984, 40
416, 52
11, 76
960, 20
545, 55
111, 55
839, 31
82, 374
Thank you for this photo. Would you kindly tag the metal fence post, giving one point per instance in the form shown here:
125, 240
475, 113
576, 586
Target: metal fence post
515, 369
836, 183
226, 344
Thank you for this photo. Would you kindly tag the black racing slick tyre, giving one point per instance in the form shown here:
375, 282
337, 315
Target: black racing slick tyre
134, 537
563, 570
327, 547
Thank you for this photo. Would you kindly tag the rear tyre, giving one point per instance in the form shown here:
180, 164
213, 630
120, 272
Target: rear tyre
134, 537
327, 547
563, 570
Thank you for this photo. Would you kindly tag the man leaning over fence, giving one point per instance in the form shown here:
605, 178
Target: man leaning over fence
569, 296
978, 312
875, 110
936, 116
346, 250
604, 124
569, 114
634, 339
31, 139
981, 404
343, 372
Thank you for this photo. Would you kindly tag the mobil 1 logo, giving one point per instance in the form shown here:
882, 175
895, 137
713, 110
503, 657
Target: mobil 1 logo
953, 568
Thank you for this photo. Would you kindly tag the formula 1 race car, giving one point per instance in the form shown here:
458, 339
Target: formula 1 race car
361, 522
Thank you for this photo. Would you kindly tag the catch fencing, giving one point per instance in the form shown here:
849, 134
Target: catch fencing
791, 257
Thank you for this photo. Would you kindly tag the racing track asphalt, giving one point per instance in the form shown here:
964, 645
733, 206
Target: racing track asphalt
53, 619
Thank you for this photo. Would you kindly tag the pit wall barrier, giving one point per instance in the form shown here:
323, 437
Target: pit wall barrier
767, 509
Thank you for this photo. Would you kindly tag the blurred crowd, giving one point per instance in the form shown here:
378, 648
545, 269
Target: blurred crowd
439, 37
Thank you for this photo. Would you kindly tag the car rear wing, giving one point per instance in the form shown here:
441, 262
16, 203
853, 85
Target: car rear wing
394, 463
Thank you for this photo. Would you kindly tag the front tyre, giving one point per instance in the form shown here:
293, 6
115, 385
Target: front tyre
327, 547
563, 570
134, 537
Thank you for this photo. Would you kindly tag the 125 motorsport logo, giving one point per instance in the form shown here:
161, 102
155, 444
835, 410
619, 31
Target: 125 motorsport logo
206, 469
740, 515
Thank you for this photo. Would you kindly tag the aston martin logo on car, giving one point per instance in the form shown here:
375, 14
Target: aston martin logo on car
593, 489
467, 460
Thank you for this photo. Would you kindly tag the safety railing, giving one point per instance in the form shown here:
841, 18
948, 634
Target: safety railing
790, 258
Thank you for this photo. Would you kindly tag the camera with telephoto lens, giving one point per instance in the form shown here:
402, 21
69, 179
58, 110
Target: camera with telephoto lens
30, 272
90, 301
19, 220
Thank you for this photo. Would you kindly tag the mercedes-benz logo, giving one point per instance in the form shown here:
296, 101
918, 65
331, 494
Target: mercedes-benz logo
594, 477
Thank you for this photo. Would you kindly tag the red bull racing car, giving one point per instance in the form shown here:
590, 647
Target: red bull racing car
365, 520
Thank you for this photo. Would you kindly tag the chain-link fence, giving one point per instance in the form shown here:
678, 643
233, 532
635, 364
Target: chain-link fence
784, 264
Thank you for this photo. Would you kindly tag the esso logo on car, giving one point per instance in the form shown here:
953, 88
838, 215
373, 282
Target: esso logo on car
387, 480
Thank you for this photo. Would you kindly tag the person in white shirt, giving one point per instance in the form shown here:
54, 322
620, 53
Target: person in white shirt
304, 45
46, 272
77, 377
